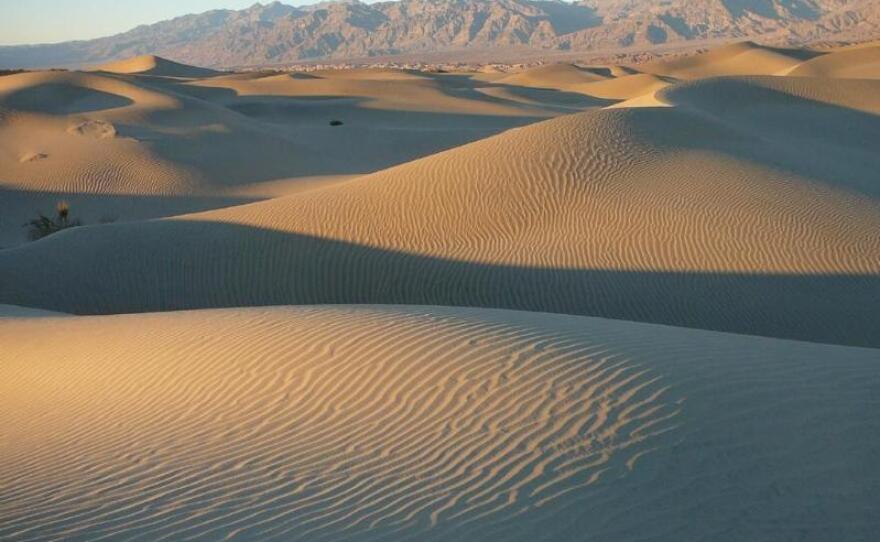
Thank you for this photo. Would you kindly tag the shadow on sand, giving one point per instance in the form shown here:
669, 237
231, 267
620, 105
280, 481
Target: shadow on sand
171, 265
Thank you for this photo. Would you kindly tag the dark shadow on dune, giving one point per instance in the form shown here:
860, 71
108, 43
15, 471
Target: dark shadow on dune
290, 136
823, 142
17, 206
453, 85
62, 99
170, 265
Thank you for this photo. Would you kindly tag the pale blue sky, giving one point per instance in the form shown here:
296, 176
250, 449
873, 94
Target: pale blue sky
47, 21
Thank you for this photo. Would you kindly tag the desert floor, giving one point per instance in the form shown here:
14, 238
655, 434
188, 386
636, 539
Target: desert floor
610, 303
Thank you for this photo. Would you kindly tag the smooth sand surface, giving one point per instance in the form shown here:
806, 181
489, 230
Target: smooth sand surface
626, 86
856, 63
555, 76
745, 58
154, 65
427, 423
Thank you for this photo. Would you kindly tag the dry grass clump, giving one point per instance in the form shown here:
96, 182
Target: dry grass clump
43, 226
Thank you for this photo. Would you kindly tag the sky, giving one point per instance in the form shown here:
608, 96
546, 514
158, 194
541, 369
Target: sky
49, 21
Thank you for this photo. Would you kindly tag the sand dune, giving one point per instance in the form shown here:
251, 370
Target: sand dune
388, 90
355, 373
154, 65
556, 76
625, 87
856, 63
421, 423
761, 220
745, 58
179, 141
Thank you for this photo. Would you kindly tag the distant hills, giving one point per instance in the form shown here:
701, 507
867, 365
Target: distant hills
278, 33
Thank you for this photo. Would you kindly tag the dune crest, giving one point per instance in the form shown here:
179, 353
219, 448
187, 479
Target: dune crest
590, 213
556, 76
855, 63
565, 302
154, 65
744, 58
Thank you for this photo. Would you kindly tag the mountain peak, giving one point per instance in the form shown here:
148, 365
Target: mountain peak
276, 32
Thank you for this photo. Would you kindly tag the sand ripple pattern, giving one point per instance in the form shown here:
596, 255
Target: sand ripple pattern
429, 423
313, 424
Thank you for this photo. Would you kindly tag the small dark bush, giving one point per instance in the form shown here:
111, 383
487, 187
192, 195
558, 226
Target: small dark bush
335, 123
43, 225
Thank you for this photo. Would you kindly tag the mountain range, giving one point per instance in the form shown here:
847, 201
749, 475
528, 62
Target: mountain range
277, 33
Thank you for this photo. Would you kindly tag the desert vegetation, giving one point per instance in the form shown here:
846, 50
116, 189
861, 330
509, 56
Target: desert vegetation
43, 225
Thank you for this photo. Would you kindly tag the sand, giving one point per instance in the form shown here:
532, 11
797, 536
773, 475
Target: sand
154, 65
553, 76
665, 215
854, 63
569, 303
175, 136
428, 423
744, 58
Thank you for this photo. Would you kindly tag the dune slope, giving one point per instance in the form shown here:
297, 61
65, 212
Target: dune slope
743, 221
553, 76
421, 423
856, 63
155, 65
744, 58
133, 143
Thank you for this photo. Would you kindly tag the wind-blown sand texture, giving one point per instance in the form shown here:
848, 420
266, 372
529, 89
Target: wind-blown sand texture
698, 226
428, 423
661, 215
182, 140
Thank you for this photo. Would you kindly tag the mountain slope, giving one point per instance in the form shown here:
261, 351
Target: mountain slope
277, 33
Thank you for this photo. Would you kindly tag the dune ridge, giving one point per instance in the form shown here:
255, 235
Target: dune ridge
858, 62
618, 304
555, 76
591, 213
155, 65
742, 58
364, 423
177, 142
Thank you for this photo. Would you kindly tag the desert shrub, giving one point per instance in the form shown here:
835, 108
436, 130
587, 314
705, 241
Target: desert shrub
43, 225
335, 122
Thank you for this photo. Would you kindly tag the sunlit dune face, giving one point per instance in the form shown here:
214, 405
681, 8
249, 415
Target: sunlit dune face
316, 423
333, 421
